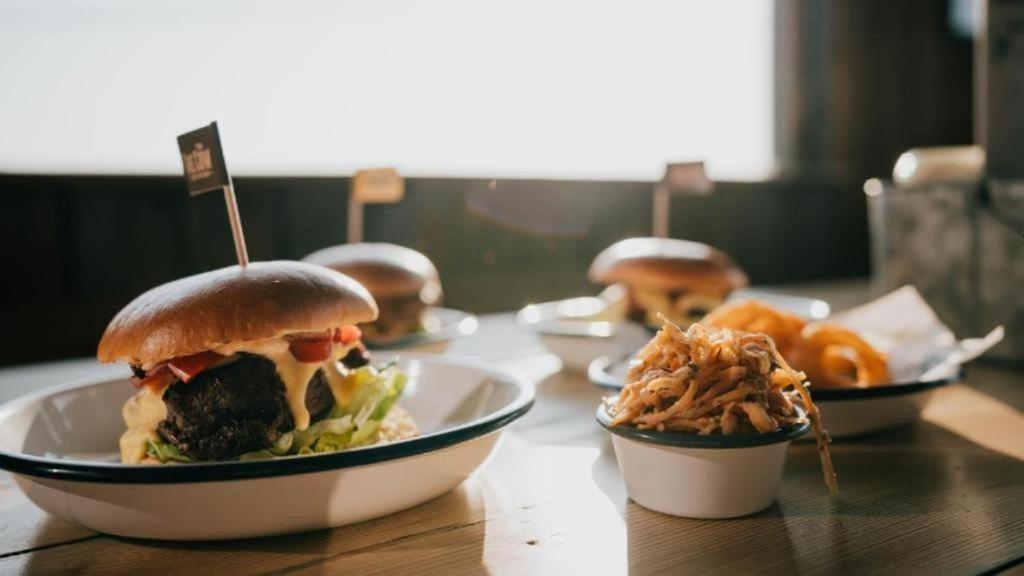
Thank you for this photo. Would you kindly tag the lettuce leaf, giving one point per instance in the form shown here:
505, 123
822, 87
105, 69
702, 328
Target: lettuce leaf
375, 391
164, 452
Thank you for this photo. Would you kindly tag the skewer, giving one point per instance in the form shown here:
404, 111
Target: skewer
236, 224
202, 158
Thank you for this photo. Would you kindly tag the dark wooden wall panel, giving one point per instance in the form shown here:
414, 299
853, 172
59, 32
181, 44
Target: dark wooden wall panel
76, 249
857, 82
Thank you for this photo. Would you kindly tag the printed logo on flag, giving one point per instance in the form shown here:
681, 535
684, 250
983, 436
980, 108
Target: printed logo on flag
203, 160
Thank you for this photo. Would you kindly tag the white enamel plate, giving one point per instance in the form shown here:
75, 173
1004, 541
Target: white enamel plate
61, 446
439, 326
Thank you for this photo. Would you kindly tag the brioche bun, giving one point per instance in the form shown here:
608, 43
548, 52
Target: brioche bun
388, 271
667, 265
234, 304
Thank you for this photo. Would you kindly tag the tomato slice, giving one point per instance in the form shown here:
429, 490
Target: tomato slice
186, 367
311, 349
158, 378
159, 382
347, 335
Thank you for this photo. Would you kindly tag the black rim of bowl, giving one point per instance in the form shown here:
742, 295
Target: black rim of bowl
597, 371
684, 440
447, 332
115, 473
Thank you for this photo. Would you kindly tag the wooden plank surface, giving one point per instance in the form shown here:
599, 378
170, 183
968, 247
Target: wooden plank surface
943, 496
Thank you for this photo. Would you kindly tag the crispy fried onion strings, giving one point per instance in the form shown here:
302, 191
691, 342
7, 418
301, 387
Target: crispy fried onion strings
708, 381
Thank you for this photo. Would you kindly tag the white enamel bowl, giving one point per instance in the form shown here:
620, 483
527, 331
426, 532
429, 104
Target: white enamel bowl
700, 476
61, 447
566, 330
440, 327
846, 412
851, 412
578, 330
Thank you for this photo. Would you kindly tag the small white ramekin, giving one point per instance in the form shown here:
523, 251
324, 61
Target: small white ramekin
700, 476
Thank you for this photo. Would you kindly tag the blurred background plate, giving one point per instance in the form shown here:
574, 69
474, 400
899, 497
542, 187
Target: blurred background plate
577, 331
809, 308
440, 326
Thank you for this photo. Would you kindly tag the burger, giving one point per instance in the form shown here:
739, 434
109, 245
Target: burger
257, 362
680, 279
403, 281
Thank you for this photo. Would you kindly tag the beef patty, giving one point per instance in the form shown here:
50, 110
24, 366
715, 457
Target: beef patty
240, 407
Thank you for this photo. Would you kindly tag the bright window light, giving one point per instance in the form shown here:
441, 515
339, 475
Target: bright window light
517, 88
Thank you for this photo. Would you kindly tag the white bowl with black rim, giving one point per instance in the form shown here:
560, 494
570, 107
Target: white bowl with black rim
851, 412
569, 330
438, 327
578, 330
61, 446
846, 412
694, 476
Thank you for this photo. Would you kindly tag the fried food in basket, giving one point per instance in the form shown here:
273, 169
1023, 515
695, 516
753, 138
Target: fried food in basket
708, 381
754, 316
832, 356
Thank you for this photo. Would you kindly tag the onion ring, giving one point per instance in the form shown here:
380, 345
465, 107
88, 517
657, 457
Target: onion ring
754, 316
833, 356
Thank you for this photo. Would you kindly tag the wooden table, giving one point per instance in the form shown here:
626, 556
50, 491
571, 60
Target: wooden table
943, 496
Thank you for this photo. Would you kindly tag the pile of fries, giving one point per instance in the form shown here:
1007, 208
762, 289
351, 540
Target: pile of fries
832, 356
707, 381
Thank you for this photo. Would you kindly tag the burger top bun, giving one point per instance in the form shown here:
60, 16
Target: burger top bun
667, 264
201, 312
387, 270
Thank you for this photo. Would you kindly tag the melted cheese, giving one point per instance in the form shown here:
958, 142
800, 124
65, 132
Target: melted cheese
697, 301
652, 303
142, 413
341, 384
681, 310
295, 375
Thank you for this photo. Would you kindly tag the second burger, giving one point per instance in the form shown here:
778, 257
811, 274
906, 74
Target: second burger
681, 279
403, 281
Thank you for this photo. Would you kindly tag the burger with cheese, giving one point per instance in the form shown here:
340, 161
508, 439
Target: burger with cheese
256, 362
681, 279
403, 281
